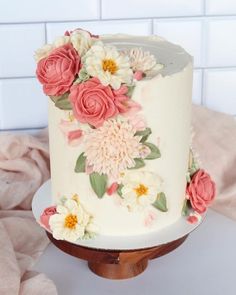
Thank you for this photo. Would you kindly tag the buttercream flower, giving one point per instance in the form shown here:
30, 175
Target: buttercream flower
45, 216
81, 40
201, 191
141, 61
58, 70
71, 131
43, 52
94, 103
108, 65
111, 148
194, 217
61, 40
138, 122
71, 221
140, 189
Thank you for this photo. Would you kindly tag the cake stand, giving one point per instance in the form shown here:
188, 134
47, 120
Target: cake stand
115, 257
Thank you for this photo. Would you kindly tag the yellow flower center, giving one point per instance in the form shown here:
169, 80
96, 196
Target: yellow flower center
141, 190
71, 221
110, 66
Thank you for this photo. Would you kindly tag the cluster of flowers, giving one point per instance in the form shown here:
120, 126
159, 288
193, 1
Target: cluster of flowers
200, 191
94, 78
69, 220
95, 81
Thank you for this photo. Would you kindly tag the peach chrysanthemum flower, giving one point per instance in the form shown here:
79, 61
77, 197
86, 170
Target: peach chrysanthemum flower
111, 149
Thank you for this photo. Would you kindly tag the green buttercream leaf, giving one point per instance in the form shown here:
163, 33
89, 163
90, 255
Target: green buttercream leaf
54, 98
144, 133
83, 76
139, 163
130, 90
63, 102
193, 165
80, 163
98, 183
188, 178
155, 152
186, 208
119, 190
160, 202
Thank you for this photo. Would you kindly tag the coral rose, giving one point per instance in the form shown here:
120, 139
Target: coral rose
45, 216
57, 71
201, 191
93, 103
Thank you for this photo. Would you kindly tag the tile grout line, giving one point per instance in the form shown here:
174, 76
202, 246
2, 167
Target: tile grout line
100, 9
200, 16
46, 33
203, 88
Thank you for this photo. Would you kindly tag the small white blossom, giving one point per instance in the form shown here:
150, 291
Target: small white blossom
108, 65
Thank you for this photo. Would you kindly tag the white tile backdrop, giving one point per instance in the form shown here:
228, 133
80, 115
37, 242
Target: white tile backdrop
206, 28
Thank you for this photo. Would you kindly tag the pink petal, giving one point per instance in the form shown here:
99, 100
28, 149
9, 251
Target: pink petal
138, 75
112, 189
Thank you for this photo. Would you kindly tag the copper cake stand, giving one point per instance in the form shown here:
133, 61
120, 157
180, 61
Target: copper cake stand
116, 264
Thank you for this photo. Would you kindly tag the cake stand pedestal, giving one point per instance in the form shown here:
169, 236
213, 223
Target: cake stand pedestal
119, 264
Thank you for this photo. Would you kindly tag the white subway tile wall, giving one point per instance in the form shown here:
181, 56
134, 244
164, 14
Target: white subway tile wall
217, 97
205, 28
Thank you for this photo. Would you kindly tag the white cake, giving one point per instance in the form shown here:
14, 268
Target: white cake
164, 95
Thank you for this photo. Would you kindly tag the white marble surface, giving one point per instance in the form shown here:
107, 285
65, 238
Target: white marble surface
204, 264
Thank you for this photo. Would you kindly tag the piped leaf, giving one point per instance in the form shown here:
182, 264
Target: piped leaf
82, 77
80, 164
119, 190
63, 102
160, 202
130, 90
139, 163
186, 208
144, 133
98, 183
155, 152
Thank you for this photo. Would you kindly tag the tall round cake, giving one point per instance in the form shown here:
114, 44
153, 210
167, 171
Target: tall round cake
119, 132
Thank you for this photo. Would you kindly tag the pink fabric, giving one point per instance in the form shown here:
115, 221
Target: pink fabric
24, 166
215, 142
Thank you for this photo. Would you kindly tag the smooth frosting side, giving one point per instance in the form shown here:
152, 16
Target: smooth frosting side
166, 105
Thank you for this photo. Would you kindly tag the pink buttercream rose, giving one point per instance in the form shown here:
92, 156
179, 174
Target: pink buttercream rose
201, 191
93, 103
58, 70
45, 216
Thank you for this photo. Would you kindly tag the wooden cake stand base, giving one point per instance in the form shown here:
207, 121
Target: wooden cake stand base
116, 264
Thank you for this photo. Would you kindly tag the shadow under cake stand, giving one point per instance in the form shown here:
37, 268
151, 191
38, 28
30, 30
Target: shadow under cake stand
117, 257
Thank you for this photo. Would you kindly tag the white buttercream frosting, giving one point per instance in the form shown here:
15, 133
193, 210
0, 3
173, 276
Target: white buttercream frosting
165, 97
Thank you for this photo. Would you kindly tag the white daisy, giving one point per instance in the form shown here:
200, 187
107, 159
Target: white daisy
71, 222
108, 65
140, 189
